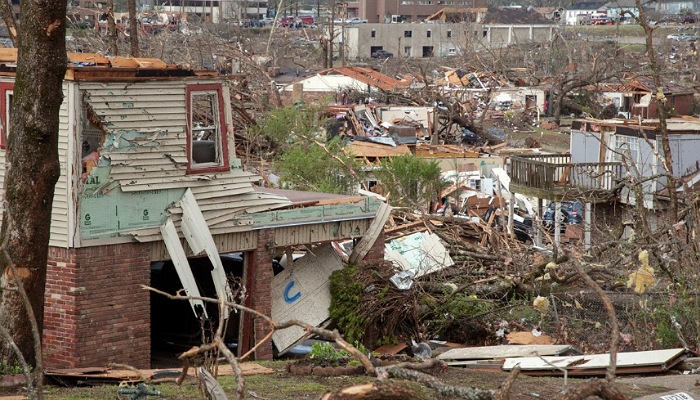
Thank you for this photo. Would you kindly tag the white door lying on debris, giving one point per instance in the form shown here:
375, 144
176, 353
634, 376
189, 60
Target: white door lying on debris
302, 292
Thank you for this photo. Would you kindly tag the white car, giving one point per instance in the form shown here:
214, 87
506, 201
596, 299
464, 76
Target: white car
356, 20
682, 37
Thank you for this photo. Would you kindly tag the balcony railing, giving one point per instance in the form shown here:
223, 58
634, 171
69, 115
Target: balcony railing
556, 173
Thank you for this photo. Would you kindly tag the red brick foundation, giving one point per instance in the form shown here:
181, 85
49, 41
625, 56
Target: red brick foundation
95, 310
258, 275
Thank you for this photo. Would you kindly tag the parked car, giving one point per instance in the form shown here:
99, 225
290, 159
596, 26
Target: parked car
688, 19
522, 225
468, 137
571, 213
683, 37
382, 54
355, 20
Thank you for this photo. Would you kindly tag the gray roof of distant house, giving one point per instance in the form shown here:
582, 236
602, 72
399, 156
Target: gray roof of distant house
587, 5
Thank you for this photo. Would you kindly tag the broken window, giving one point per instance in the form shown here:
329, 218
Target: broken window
6, 93
449, 33
626, 149
206, 141
407, 33
91, 144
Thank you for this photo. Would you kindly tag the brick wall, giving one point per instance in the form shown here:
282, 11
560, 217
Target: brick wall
263, 292
95, 310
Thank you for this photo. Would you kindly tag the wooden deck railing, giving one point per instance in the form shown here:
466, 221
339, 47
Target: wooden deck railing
556, 172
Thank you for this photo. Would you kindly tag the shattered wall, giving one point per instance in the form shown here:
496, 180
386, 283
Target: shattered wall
141, 165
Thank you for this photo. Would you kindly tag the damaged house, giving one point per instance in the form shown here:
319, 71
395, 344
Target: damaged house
336, 83
604, 154
637, 98
151, 193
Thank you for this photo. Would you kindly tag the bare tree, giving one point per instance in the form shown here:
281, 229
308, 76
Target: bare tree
133, 29
32, 169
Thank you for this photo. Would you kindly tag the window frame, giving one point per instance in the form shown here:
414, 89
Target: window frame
6, 89
224, 164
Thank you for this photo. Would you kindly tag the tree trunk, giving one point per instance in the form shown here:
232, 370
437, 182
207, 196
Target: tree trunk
558, 102
32, 169
133, 29
379, 390
111, 29
595, 387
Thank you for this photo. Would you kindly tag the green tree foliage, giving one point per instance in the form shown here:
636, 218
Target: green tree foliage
308, 166
296, 143
410, 181
283, 127
345, 309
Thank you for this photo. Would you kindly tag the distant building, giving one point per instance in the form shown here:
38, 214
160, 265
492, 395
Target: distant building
577, 12
436, 39
403, 11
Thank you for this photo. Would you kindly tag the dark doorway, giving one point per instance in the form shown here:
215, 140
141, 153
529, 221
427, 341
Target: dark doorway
174, 326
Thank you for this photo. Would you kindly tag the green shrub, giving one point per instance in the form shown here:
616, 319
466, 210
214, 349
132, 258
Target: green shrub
345, 309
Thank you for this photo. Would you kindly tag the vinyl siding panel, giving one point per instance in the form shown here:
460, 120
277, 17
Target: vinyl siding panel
60, 212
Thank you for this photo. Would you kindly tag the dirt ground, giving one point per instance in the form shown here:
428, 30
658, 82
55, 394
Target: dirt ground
282, 385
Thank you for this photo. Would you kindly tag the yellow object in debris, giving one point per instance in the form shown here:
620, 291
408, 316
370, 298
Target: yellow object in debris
643, 278
541, 304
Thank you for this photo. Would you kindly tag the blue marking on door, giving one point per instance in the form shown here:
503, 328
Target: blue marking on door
287, 297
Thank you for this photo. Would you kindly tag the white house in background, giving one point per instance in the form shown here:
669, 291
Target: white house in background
676, 7
623, 8
335, 81
573, 14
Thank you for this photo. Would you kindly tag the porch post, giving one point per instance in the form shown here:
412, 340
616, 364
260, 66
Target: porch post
537, 226
557, 223
587, 225
511, 211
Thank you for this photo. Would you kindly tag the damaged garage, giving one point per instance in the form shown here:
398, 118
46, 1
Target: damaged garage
151, 193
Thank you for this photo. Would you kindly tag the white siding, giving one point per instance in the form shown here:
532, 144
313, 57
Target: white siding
59, 215
60, 212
